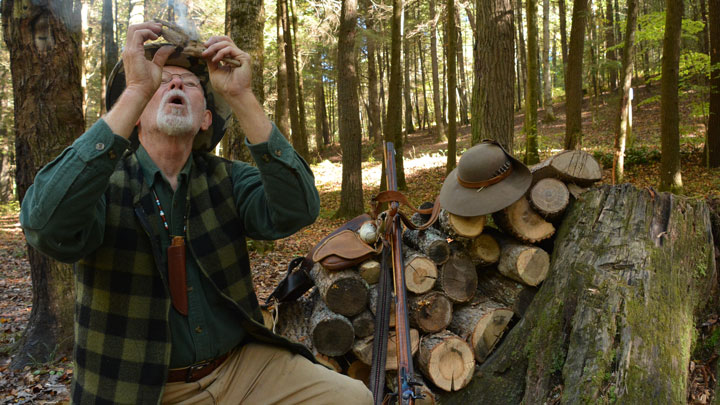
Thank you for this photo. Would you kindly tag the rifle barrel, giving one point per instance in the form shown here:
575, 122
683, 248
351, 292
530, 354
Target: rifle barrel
406, 392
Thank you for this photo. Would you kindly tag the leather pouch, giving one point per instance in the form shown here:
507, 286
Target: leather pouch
342, 250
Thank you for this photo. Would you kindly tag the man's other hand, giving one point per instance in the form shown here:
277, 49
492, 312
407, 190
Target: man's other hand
141, 75
230, 81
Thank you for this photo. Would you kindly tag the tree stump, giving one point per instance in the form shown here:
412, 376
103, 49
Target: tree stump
522, 222
456, 226
344, 291
430, 242
332, 334
615, 319
369, 270
430, 312
549, 197
570, 166
420, 272
458, 278
481, 323
447, 360
508, 292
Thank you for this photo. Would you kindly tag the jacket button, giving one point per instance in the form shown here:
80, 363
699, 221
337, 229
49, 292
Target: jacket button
112, 154
266, 158
278, 152
198, 329
99, 146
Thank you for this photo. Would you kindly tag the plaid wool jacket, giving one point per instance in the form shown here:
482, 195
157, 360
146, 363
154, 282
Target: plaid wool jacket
122, 335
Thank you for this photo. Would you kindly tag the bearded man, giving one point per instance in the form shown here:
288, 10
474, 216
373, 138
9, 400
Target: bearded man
165, 306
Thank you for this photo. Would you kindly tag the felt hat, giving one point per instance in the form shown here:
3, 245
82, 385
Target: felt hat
220, 109
487, 179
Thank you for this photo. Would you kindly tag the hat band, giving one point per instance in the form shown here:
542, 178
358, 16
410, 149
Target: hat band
485, 183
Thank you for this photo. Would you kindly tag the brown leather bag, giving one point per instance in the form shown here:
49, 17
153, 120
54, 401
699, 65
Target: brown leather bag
342, 250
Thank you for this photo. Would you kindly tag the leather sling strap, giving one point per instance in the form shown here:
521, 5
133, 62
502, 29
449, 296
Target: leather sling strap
382, 323
396, 196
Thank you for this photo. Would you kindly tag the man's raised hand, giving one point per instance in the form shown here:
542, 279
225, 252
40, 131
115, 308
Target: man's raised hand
142, 75
230, 81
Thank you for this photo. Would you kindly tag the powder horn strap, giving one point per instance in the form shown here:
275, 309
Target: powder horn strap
400, 198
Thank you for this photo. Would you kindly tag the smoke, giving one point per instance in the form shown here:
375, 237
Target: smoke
180, 10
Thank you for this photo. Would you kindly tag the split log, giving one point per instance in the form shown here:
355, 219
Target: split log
527, 264
373, 303
420, 272
570, 166
457, 278
576, 190
446, 360
522, 222
362, 348
369, 270
359, 371
456, 226
632, 270
549, 197
508, 292
484, 250
363, 323
481, 323
430, 242
430, 312
332, 334
427, 397
344, 291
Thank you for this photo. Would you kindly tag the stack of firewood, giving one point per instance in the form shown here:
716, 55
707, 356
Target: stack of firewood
466, 280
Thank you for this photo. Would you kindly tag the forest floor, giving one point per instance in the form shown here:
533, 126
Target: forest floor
424, 162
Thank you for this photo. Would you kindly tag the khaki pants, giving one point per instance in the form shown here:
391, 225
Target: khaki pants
263, 374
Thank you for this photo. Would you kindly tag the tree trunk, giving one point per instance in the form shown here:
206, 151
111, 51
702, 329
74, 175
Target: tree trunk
522, 49
547, 74
670, 177
282, 112
563, 37
624, 125
610, 55
426, 110
713, 132
322, 132
407, 95
245, 21
615, 320
492, 113
44, 38
573, 80
300, 82
351, 197
437, 106
531, 98
7, 182
393, 122
464, 120
373, 96
451, 39
299, 143
110, 54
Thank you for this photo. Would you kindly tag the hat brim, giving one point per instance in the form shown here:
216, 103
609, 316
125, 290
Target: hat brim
471, 202
205, 140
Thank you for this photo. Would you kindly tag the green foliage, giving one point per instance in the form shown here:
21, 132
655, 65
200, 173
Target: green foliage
651, 28
262, 247
633, 156
10, 208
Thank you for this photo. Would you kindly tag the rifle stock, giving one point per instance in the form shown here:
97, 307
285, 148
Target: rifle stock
393, 235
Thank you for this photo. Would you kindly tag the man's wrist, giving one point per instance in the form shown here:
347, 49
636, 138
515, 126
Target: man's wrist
126, 111
251, 117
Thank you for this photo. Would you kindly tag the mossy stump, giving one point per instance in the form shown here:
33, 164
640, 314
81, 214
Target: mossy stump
614, 320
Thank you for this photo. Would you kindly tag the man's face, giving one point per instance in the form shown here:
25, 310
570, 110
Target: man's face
178, 106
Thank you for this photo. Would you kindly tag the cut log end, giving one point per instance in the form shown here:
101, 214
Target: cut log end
549, 197
420, 273
446, 360
521, 221
484, 250
533, 265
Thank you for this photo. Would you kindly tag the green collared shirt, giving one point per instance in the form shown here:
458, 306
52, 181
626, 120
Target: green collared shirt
63, 215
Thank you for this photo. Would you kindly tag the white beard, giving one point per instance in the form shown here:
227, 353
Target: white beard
177, 122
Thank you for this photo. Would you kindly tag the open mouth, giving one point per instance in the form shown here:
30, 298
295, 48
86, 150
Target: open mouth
177, 100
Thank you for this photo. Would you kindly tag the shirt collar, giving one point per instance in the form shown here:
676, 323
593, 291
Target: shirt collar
152, 173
